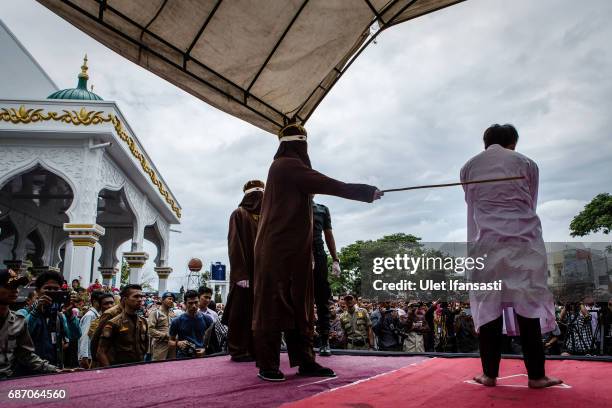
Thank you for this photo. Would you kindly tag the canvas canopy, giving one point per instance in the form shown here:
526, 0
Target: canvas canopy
264, 61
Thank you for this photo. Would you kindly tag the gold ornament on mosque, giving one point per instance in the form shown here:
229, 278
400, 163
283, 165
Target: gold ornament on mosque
86, 118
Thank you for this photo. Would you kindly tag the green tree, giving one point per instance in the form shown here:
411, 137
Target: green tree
125, 273
350, 260
596, 216
204, 278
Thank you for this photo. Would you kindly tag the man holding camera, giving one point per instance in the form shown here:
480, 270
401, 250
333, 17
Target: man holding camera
124, 338
188, 330
46, 321
16, 346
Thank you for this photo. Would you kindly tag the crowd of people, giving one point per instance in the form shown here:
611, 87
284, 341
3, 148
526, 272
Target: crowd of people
356, 323
59, 327
100, 326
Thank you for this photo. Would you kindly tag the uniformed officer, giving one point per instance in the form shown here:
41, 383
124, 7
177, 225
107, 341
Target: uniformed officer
321, 226
356, 325
124, 338
16, 346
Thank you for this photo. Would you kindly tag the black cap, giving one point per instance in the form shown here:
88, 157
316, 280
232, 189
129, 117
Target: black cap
10, 279
348, 296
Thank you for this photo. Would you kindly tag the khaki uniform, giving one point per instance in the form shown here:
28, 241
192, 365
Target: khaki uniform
356, 327
125, 338
17, 349
159, 332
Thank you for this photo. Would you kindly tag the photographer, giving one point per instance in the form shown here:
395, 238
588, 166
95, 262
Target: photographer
16, 348
188, 329
414, 327
441, 319
388, 331
46, 321
578, 336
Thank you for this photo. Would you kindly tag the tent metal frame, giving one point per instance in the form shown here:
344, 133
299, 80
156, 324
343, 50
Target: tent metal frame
186, 57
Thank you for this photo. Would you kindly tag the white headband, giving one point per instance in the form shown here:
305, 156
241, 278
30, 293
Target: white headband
251, 190
292, 138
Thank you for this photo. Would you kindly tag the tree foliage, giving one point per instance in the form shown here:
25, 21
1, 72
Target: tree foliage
125, 273
596, 216
350, 260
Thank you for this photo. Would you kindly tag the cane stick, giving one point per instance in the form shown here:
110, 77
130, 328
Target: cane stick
454, 184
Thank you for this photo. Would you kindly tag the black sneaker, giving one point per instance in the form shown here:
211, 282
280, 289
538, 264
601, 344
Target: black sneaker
325, 350
271, 375
315, 370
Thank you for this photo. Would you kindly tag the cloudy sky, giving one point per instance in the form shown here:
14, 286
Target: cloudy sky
411, 110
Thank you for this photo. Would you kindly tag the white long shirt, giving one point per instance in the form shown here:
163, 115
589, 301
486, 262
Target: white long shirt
502, 223
84, 340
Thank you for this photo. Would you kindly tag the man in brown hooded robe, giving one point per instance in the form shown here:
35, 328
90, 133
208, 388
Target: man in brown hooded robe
238, 311
283, 280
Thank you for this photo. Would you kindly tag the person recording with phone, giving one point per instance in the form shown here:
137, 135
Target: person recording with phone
46, 321
17, 356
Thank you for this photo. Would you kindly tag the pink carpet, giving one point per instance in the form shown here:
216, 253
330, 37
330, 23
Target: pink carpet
214, 382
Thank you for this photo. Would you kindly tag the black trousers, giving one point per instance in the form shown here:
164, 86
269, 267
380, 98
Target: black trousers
322, 292
268, 345
490, 340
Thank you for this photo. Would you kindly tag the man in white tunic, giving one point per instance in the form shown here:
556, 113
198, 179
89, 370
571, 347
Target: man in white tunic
503, 226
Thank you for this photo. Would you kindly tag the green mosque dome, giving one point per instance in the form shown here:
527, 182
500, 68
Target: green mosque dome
80, 92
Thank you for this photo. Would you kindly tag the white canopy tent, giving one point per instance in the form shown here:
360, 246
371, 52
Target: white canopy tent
264, 61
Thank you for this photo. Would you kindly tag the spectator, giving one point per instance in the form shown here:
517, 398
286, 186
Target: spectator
387, 331
76, 285
337, 340
442, 320
220, 308
415, 327
29, 302
124, 338
159, 328
46, 322
95, 286
356, 326
73, 332
96, 326
188, 329
606, 327
465, 333
100, 302
216, 337
19, 351
578, 335
205, 298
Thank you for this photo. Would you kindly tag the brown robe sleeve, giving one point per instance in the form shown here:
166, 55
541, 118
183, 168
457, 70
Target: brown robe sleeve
310, 181
236, 250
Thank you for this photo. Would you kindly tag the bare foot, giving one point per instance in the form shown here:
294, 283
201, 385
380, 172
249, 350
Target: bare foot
485, 380
544, 382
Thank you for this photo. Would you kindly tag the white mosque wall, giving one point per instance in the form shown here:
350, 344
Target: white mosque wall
21, 76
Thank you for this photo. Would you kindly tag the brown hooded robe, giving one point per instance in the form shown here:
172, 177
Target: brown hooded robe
238, 311
283, 281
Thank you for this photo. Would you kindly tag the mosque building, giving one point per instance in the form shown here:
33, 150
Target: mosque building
75, 181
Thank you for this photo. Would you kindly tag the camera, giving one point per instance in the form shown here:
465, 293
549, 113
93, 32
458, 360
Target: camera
60, 297
189, 350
